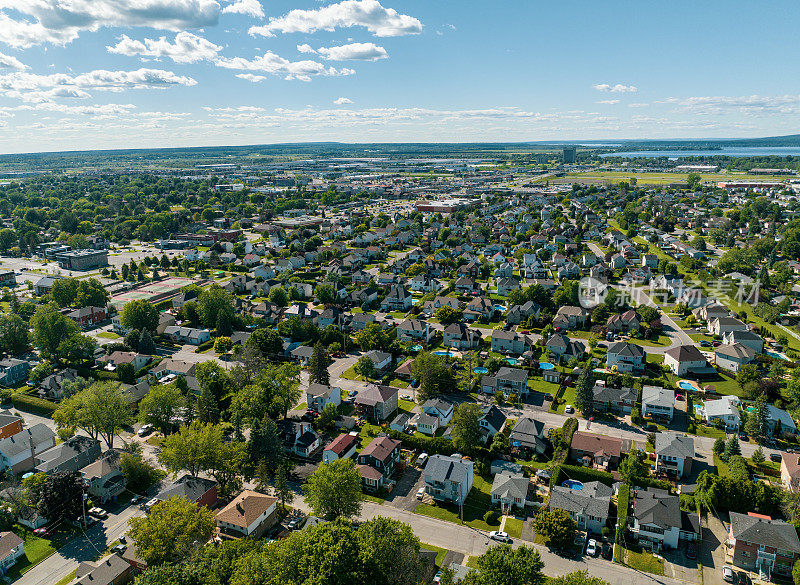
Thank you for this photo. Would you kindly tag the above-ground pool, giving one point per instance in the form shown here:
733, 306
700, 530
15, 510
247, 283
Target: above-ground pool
572, 484
512, 361
480, 370
688, 386
546, 366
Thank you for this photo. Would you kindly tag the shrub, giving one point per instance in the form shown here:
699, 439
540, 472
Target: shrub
33, 404
491, 517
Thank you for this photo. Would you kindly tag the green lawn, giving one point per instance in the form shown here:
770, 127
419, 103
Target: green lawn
472, 563
478, 502
713, 432
655, 358
698, 337
440, 552
722, 467
646, 562
36, 550
67, 579
398, 383
108, 335
371, 498
406, 405
513, 527
568, 397
660, 342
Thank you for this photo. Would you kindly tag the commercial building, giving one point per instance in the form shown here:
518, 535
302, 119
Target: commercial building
82, 259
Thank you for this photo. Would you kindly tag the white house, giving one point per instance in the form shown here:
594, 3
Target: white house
656, 519
439, 408
733, 357
318, 396
658, 402
342, 447
674, 454
12, 547
726, 409
684, 359
448, 478
427, 424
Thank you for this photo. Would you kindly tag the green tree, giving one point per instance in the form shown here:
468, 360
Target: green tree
334, 490
14, 337
796, 573
732, 448
504, 565
8, 238
126, 373
160, 405
171, 531
318, 366
193, 448
756, 423
265, 446
758, 456
466, 427
100, 409
278, 297
719, 446
283, 490
139, 474
365, 367
325, 293
213, 302
59, 496
447, 315
389, 548
267, 341
222, 345
434, 375
139, 314
64, 291
633, 467
577, 578
227, 465
328, 417
51, 329
584, 392
146, 344
557, 526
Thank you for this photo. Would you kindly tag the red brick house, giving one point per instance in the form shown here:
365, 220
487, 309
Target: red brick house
759, 543
88, 316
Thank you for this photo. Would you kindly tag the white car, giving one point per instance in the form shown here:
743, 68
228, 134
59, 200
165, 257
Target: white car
438, 577
727, 574
98, 513
568, 409
591, 548
145, 430
420, 493
499, 536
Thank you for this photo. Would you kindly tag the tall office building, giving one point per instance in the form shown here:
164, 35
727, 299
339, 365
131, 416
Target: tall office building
569, 154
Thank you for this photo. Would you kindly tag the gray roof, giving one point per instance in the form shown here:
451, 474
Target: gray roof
64, 452
657, 507
593, 499
774, 533
674, 445
427, 420
627, 349
508, 485
658, 396
189, 486
28, 439
443, 468
606, 394
513, 374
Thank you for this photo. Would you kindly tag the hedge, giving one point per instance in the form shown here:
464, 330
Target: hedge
205, 345
623, 503
434, 445
583, 474
33, 404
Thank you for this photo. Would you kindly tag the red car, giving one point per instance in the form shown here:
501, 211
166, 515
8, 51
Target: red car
41, 532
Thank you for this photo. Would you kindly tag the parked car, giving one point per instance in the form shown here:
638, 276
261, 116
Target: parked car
136, 499
499, 536
651, 427
296, 523
727, 574
437, 578
120, 548
145, 430
691, 551
98, 512
743, 578
420, 493
123, 539
41, 531
743, 437
776, 457
591, 548
422, 459
704, 343
608, 551
568, 409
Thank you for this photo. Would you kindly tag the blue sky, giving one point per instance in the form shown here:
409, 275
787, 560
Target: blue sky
158, 73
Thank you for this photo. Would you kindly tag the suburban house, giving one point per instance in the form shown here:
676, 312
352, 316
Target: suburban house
659, 522
527, 436
460, 336
684, 359
50, 387
376, 463
626, 322
318, 396
398, 299
427, 423
198, 490
510, 342
619, 400
169, 366
725, 411
88, 316
588, 506
506, 380
11, 548
377, 403
448, 478
380, 359
441, 409
674, 454
657, 402
790, 471
561, 345
779, 422
512, 490
591, 450
18, 452
342, 447
722, 325
302, 354
111, 570
492, 421
249, 514
732, 357
401, 423
752, 340
414, 330
190, 335
104, 478
519, 313
137, 360
298, 437
73, 454
759, 543
569, 317
13, 371
626, 357
10, 424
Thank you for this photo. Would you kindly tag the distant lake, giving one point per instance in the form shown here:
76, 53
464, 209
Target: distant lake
725, 151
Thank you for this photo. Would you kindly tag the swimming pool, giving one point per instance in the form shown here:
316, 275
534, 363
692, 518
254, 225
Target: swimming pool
572, 484
442, 352
480, 370
776, 355
499, 308
546, 366
688, 386
512, 361
416, 348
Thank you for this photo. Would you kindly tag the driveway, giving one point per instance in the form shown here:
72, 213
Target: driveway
404, 494
712, 550
678, 566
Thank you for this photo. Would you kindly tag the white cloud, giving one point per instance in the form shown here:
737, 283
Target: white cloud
354, 52
752, 104
32, 87
305, 48
34, 22
277, 65
342, 101
618, 88
187, 48
608, 102
251, 77
9, 62
247, 7
370, 14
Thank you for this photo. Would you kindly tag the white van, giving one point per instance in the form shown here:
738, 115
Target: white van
422, 459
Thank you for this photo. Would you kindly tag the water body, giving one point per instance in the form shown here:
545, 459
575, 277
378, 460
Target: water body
725, 151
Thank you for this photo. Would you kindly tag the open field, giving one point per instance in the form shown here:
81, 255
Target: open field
600, 177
